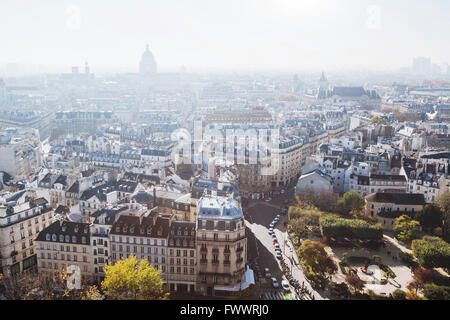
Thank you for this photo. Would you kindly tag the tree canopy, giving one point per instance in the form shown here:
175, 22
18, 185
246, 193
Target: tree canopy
335, 227
378, 119
430, 217
351, 201
315, 257
432, 252
406, 229
129, 279
443, 202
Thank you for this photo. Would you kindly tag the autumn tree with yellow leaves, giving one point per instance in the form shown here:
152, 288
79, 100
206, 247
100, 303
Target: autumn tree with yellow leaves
130, 279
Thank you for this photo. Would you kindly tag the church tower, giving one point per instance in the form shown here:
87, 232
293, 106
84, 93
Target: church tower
323, 87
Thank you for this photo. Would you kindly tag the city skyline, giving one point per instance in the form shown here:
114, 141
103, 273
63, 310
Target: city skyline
283, 35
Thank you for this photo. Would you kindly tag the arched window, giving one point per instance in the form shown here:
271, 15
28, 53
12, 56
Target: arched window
67, 238
61, 238
47, 237
74, 239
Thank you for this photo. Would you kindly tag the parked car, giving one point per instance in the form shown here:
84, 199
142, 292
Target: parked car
278, 255
277, 246
274, 235
268, 199
286, 201
285, 285
278, 217
270, 231
267, 273
272, 225
275, 283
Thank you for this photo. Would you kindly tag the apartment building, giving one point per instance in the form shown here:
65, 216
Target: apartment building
100, 244
182, 257
221, 245
20, 224
65, 244
144, 236
374, 183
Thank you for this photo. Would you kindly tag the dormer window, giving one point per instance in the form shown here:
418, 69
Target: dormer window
61, 238
83, 240
47, 237
117, 229
67, 238
74, 239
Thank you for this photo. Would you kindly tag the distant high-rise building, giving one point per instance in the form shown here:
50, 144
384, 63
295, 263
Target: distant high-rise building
86, 68
148, 63
421, 65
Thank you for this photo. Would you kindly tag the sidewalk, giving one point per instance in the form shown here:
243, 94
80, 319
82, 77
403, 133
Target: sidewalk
397, 244
296, 271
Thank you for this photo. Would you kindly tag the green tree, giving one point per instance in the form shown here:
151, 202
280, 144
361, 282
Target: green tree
315, 258
443, 202
129, 279
435, 292
378, 120
398, 294
432, 252
406, 229
431, 217
338, 228
351, 201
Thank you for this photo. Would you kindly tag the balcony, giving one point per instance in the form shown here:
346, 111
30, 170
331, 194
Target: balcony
215, 262
239, 260
202, 249
239, 249
227, 262
215, 250
203, 261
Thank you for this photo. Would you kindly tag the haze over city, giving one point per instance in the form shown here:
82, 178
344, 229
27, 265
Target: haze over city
224, 35
243, 150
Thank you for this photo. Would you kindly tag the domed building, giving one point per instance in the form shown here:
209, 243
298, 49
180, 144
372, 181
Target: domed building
148, 63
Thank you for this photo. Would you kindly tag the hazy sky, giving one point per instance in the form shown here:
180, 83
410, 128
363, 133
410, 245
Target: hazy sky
221, 34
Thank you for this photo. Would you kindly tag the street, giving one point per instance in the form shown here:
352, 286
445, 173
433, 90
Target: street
259, 214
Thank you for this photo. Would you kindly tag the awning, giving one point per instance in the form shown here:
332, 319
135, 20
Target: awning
249, 279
